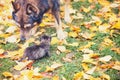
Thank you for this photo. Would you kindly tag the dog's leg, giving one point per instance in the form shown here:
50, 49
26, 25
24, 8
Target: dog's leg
58, 25
67, 11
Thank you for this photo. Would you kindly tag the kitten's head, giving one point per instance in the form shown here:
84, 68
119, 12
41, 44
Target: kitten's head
45, 39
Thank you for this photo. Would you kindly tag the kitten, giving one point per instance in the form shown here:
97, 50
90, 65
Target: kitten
38, 51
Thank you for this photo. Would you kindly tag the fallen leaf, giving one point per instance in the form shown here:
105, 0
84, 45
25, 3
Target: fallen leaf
2, 56
104, 28
75, 28
116, 25
55, 78
49, 69
22, 65
116, 50
94, 28
107, 66
87, 35
116, 65
73, 44
73, 34
87, 58
86, 50
94, 55
68, 57
1, 51
86, 9
105, 58
56, 65
54, 40
114, 5
85, 66
27, 74
11, 39
105, 76
53, 67
87, 76
61, 48
78, 16
11, 29
7, 74
91, 71
86, 46
78, 75
47, 74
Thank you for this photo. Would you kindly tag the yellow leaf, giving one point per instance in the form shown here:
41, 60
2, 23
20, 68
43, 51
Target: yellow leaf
56, 65
78, 75
116, 65
87, 35
86, 58
85, 66
55, 78
98, 23
21, 65
53, 67
61, 48
86, 46
104, 27
91, 71
113, 18
105, 58
94, 55
95, 18
48, 69
42, 25
54, 40
75, 28
105, 76
73, 34
116, 25
7, 74
86, 76
86, 9
1, 51
74, 44
86, 50
107, 42
104, 2
94, 28
27, 74
116, 50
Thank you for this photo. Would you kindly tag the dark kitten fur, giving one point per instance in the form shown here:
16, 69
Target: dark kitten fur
38, 51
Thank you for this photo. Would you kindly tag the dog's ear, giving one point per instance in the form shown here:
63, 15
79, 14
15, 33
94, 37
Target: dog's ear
16, 6
32, 9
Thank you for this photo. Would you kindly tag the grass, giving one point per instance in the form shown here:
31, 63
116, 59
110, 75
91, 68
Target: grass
70, 68
6, 65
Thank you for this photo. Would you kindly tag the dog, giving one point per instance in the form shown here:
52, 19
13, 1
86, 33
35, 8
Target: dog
38, 51
28, 13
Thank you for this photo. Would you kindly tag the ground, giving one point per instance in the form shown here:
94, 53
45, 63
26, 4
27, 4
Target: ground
91, 50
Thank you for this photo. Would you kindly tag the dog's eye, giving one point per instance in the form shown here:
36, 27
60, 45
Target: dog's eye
31, 9
16, 6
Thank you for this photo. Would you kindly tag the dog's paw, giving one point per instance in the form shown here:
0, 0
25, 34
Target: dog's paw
61, 35
67, 19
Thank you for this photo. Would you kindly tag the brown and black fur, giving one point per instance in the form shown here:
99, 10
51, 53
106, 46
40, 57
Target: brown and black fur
38, 51
28, 13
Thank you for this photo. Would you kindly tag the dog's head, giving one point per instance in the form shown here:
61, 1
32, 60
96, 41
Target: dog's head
27, 14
